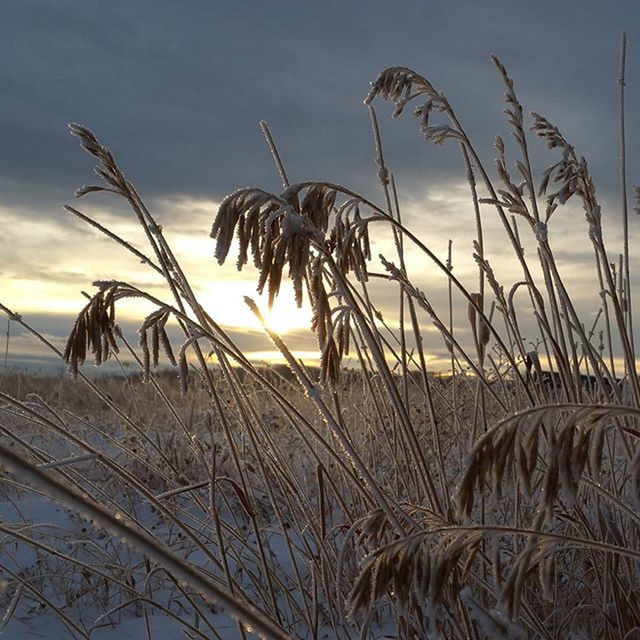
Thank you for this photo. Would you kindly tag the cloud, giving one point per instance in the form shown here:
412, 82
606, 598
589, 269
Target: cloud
178, 93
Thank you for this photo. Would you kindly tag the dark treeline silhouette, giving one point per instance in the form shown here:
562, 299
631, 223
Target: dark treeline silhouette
552, 380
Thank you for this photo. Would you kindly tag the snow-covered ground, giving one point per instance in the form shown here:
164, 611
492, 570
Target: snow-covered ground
86, 599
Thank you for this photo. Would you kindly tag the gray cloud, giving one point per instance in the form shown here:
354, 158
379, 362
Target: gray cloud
177, 89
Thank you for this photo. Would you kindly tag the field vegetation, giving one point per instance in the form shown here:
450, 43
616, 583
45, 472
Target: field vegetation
499, 499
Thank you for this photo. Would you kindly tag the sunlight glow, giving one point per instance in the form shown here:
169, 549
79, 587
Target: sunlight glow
271, 357
285, 316
225, 302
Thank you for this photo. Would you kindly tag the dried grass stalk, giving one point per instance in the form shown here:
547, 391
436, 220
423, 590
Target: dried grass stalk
570, 439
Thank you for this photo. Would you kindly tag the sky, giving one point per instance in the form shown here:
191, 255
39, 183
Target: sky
177, 91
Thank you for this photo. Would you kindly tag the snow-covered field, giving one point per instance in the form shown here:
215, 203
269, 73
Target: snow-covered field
64, 577
85, 599
287, 527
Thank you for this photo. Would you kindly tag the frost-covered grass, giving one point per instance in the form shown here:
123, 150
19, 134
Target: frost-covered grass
497, 501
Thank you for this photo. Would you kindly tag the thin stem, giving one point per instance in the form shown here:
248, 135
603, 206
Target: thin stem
276, 155
623, 193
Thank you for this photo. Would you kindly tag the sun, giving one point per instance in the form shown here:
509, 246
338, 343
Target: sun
225, 301
285, 316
